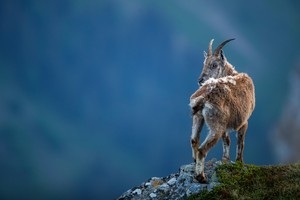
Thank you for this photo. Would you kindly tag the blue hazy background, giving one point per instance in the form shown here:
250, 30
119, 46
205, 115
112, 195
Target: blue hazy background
94, 94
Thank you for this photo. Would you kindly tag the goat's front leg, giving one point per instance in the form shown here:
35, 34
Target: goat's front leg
198, 122
226, 147
211, 139
241, 142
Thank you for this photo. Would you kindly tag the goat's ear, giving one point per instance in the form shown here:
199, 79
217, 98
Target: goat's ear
205, 54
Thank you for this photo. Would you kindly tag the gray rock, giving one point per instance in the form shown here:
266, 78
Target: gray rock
164, 187
194, 188
137, 191
175, 186
147, 184
155, 178
152, 195
172, 181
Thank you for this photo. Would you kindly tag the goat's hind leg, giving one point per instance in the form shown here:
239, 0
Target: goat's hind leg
198, 122
226, 147
241, 142
211, 139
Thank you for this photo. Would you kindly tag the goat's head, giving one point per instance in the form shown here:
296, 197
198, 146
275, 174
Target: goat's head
214, 63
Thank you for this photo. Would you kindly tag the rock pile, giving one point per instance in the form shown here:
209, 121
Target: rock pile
175, 186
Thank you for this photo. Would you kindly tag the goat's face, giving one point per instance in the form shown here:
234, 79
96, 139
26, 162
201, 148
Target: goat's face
214, 63
214, 67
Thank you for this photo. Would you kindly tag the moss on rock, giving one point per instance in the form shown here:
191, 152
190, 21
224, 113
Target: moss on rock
243, 181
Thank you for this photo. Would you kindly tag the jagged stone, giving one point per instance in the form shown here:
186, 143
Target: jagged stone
152, 195
137, 191
175, 186
172, 181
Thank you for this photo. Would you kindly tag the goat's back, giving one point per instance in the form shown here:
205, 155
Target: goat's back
229, 100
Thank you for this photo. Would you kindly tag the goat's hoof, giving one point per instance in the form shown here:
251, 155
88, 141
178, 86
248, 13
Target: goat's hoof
201, 179
194, 160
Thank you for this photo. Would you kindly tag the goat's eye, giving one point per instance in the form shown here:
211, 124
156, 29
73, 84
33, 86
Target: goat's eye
214, 65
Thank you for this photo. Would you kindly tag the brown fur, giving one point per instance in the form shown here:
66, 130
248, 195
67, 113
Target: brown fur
234, 105
224, 102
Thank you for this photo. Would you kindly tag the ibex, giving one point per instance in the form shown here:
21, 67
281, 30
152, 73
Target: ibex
224, 101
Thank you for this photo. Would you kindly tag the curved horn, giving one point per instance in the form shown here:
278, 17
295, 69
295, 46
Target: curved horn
218, 49
210, 47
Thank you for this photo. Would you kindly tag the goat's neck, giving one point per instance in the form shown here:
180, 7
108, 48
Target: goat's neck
230, 71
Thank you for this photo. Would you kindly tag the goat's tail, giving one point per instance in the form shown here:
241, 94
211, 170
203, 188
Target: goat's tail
197, 104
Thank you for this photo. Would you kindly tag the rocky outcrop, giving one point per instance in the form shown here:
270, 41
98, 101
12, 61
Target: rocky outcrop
175, 186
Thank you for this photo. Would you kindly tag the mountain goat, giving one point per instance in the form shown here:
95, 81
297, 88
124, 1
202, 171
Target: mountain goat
224, 101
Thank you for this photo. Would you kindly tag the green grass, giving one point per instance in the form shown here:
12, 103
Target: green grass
243, 181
